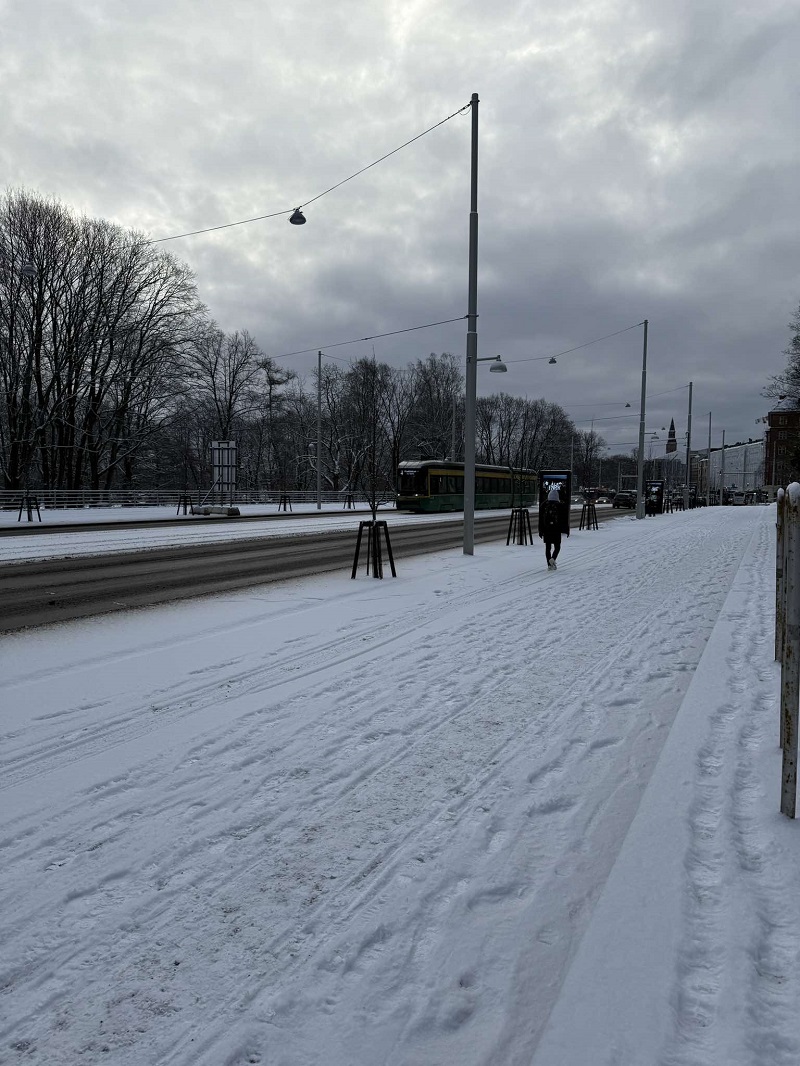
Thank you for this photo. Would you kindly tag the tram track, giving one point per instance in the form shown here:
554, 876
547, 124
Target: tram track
60, 590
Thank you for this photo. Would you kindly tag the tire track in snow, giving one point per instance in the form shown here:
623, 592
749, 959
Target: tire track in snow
509, 891
181, 700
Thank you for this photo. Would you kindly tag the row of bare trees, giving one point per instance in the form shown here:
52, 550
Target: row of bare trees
114, 375
94, 326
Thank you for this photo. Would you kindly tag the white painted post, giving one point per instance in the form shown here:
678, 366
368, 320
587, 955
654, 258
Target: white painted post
790, 664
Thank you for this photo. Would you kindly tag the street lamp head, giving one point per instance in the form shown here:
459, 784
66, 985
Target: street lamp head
627, 405
498, 366
297, 218
552, 360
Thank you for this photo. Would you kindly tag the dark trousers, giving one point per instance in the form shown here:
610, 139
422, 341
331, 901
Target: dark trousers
552, 546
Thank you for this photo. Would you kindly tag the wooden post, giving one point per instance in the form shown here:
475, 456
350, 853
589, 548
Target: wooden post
790, 664
780, 540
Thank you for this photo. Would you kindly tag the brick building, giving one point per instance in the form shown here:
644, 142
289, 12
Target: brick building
782, 447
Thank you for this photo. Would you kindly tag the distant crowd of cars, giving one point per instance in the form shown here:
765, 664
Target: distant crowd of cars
626, 498
623, 498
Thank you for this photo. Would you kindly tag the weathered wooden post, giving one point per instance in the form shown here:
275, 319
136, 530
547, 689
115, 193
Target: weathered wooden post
790, 662
780, 543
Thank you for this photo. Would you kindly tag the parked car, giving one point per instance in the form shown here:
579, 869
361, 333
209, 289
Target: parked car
625, 499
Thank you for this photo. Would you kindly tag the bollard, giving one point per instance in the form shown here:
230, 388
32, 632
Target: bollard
790, 662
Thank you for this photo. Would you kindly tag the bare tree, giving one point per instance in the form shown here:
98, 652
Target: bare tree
91, 346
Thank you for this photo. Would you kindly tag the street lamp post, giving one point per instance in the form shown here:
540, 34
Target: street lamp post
497, 367
640, 464
319, 425
688, 454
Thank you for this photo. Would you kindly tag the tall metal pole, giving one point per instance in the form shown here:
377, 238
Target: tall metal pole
472, 346
319, 431
688, 453
640, 464
708, 465
722, 471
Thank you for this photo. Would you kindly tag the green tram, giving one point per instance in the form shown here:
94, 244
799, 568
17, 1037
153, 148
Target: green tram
438, 485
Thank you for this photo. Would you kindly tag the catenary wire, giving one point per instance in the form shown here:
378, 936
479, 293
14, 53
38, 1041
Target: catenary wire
377, 336
275, 214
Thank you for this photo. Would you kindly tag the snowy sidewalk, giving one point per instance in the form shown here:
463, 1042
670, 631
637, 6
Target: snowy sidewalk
483, 814
700, 912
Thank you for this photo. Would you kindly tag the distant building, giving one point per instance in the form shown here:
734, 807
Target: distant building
782, 447
744, 467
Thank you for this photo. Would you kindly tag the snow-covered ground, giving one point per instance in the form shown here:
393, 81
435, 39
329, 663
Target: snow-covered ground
480, 814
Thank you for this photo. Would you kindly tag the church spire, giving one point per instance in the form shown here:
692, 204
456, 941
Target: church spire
672, 443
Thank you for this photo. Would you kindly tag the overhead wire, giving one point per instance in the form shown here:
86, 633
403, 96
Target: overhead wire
568, 351
288, 211
376, 336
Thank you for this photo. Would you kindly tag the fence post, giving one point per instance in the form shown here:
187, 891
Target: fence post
780, 540
790, 663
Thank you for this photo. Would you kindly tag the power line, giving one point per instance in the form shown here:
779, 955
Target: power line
377, 336
275, 214
555, 355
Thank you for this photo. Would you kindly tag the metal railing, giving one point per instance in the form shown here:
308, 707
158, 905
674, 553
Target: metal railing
56, 499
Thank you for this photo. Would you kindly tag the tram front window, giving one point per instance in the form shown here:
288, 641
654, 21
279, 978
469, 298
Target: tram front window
413, 482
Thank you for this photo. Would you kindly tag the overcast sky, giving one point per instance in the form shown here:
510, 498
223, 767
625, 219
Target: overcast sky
637, 160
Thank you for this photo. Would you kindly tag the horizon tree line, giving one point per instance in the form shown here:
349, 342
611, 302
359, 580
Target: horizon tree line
114, 375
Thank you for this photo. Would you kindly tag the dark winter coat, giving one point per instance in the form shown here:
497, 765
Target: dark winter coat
553, 519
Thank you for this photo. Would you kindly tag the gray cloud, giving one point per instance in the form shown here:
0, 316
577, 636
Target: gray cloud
636, 160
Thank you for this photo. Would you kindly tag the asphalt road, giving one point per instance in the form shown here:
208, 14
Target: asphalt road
59, 590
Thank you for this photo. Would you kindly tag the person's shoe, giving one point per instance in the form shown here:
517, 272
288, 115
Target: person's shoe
553, 565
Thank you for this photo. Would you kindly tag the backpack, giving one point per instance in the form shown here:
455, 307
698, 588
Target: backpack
551, 517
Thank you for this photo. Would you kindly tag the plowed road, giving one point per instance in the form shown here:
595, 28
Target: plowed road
57, 590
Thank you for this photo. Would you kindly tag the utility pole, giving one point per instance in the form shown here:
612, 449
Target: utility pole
640, 465
472, 345
319, 431
688, 453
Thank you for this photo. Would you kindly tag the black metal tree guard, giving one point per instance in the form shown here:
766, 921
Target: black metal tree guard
184, 501
29, 502
519, 526
374, 553
588, 516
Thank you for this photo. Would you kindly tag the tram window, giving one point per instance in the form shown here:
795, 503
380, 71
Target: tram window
451, 483
435, 482
413, 482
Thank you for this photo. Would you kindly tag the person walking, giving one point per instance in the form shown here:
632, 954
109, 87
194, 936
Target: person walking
553, 521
